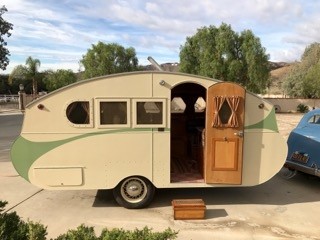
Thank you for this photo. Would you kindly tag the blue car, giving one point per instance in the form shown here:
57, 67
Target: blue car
304, 145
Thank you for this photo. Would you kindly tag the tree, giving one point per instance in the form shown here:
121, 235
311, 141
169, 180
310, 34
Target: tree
28, 72
4, 86
5, 28
226, 55
33, 66
304, 78
104, 59
59, 78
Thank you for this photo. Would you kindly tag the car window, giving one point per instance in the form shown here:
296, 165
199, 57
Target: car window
315, 119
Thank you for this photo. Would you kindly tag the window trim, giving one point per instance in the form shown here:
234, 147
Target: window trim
134, 112
91, 119
103, 99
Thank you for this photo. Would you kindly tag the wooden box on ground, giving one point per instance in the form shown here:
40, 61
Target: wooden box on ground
188, 209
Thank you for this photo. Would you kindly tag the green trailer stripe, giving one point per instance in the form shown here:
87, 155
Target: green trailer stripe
24, 152
269, 122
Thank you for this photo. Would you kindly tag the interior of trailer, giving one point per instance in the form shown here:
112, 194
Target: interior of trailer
188, 113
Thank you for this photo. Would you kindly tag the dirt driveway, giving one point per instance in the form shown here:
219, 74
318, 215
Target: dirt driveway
286, 122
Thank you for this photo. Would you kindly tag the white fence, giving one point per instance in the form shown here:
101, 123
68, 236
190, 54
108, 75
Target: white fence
9, 102
286, 105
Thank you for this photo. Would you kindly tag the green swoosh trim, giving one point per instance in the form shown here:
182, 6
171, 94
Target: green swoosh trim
269, 122
25, 152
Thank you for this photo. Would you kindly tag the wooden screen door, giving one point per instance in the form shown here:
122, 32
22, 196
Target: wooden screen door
224, 133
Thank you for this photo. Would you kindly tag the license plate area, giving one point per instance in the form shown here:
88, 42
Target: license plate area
300, 157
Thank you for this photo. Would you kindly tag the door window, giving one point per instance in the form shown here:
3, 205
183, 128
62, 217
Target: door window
225, 114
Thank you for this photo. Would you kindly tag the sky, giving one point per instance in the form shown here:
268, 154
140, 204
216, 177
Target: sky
59, 32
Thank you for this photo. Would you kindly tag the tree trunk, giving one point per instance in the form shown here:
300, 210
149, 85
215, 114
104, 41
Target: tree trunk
34, 87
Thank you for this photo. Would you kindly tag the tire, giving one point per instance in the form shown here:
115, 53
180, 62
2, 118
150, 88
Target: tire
288, 173
134, 192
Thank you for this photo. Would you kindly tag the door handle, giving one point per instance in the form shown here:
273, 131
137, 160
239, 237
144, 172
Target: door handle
239, 134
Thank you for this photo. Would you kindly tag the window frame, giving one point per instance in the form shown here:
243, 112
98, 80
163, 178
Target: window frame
91, 118
134, 112
103, 99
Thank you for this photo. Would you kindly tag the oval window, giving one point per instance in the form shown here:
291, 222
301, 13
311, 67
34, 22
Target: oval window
78, 112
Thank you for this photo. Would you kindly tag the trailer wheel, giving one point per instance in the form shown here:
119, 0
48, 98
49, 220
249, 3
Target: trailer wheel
134, 192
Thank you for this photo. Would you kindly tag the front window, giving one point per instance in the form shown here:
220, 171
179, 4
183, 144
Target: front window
79, 112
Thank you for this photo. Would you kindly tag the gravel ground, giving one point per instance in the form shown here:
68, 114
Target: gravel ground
287, 122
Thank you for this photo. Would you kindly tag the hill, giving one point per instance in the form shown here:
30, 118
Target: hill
277, 74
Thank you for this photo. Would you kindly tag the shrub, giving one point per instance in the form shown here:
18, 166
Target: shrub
145, 234
36, 231
87, 233
13, 228
302, 108
82, 232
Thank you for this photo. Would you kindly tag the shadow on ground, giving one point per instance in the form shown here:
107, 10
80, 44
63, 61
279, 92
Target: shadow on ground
277, 191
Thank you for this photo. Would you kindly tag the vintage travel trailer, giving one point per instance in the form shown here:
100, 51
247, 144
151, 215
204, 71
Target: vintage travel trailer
135, 132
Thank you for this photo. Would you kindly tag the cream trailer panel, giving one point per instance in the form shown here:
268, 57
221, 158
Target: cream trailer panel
133, 132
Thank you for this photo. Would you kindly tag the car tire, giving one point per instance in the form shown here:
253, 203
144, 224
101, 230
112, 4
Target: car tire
288, 173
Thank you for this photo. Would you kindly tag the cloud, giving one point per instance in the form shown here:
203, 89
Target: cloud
62, 31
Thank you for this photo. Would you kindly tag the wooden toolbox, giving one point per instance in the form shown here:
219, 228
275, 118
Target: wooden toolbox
188, 209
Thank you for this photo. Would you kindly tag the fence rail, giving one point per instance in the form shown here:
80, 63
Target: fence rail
9, 102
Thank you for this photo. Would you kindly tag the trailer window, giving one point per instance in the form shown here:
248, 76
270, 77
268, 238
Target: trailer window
149, 113
78, 112
113, 113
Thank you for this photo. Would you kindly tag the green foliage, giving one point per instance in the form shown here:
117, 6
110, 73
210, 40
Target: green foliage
103, 59
145, 234
36, 231
302, 108
304, 78
4, 85
87, 233
29, 72
82, 232
13, 228
5, 28
224, 54
59, 78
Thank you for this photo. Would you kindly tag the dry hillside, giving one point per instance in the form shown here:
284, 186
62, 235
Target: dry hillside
277, 76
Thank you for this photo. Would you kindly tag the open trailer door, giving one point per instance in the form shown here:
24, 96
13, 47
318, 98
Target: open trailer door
224, 133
